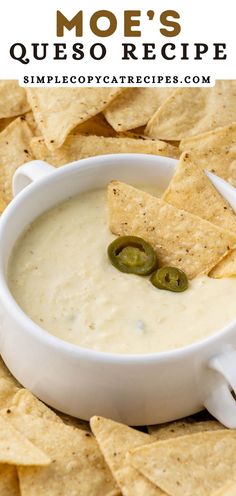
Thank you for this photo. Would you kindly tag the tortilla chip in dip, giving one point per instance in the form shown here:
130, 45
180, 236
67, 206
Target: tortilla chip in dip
226, 267
115, 440
59, 110
79, 147
9, 483
215, 151
191, 190
14, 151
13, 100
191, 111
77, 467
135, 106
181, 428
179, 238
193, 465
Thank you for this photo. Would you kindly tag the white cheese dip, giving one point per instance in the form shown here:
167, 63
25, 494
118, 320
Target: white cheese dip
60, 275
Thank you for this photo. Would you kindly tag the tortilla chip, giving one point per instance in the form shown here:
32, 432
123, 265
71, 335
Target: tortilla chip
226, 267
77, 467
79, 147
96, 126
229, 490
9, 483
13, 100
179, 238
25, 402
215, 151
16, 449
7, 392
191, 190
192, 465
14, 151
212, 151
191, 111
181, 428
135, 106
115, 440
59, 110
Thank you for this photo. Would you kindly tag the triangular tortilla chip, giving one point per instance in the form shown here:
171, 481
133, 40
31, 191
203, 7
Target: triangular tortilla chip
115, 440
215, 151
226, 267
191, 111
25, 402
179, 238
181, 428
16, 449
13, 100
9, 483
135, 106
79, 147
194, 465
59, 110
14, 151
191, 190
77, 467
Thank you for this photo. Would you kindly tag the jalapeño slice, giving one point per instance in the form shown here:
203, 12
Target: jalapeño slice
132, 255
170, 278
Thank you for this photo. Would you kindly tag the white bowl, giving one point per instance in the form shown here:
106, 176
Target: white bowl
134, 389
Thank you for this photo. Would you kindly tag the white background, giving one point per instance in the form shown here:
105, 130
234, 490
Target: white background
202, 21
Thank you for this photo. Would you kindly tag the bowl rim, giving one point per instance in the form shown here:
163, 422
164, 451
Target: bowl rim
39, 333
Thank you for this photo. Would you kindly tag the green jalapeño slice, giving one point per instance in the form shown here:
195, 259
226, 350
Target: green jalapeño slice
132, 255
170, 278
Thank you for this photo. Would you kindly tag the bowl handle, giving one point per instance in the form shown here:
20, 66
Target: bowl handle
28, 173
220, 401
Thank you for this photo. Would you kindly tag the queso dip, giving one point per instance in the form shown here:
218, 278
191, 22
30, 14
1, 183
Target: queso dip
61, 277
